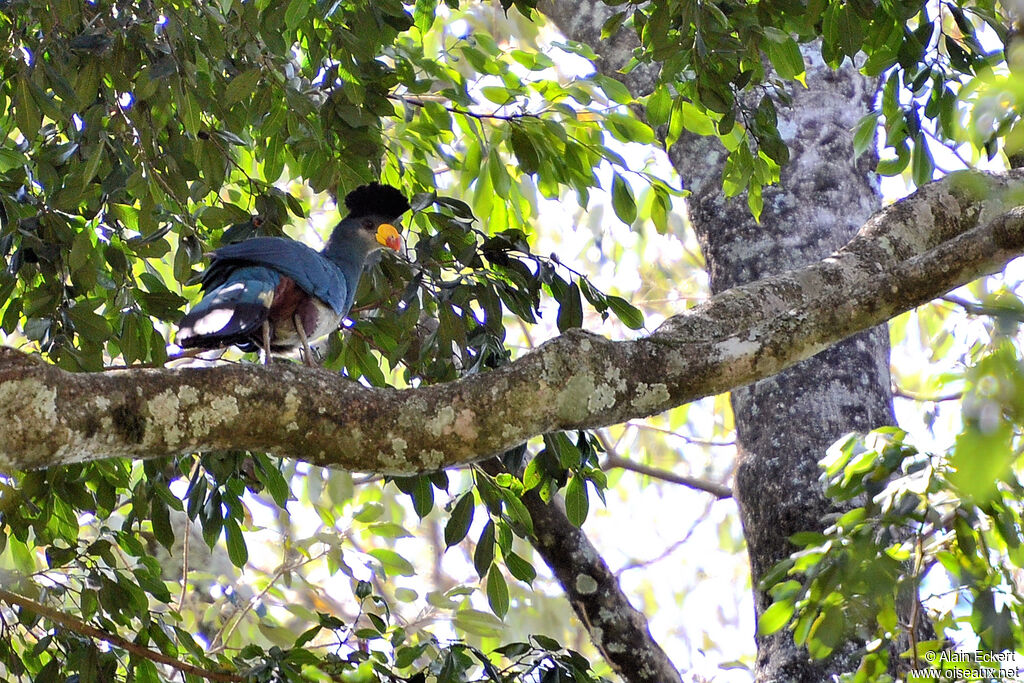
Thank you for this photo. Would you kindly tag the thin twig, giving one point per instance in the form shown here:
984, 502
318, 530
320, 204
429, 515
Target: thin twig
184, 544
973, 308
720, 491
915, 608
225, 632
188, 353
642, 564
905, 393
688, 439
78, 626
421, 102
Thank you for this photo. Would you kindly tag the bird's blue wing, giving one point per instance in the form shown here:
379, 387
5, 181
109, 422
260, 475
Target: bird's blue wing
232, 311
309, 269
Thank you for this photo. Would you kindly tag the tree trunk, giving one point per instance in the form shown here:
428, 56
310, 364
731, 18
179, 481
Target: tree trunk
785, 423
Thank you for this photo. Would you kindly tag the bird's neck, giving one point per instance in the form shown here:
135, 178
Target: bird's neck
348, 255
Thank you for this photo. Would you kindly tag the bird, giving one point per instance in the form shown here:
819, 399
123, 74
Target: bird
276, 294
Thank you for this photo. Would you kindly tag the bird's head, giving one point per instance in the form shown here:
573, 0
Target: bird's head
369, 225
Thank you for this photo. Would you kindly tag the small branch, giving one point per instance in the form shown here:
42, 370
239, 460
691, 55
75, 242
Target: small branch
76, 625
219, 642
973, 308
642, 564
422, 102
916, 606
905, 393
184, 543
720, 491
688, 439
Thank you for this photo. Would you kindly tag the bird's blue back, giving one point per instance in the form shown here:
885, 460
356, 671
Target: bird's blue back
310, 270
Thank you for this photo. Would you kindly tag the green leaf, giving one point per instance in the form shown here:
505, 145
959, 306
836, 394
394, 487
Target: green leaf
500, 179
614, 89
570, 312
628, 129
622, 200
520, 568
923, 167
561, 445
388, 530
422, 496
577, 504
483, 555
241, 86
613, 24
89, 325
864, 134
189, 111
460, 521
26, 112
272, 479
891, 167
94, 161
238, 552
786, 59
497, 592
296, 12
145, 671
478, 623
393, 562
133, 343
775, 617
525, 150
827, 632
423, 14
715, 94
496, 94
9, 159
843, 29
629, 314
659, 106
755, 200
517, 512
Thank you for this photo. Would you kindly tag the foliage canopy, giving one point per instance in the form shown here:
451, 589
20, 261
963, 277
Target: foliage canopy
136, 136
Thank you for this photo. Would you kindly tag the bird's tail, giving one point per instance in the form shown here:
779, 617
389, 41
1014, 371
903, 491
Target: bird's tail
231, 313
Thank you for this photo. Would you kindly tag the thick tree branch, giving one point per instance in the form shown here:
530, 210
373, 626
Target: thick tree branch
616, 628
946, 234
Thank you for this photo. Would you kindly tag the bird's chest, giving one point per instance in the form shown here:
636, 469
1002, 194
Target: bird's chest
293, 306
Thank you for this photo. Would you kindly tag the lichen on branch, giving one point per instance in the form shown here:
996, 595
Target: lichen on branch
944, 235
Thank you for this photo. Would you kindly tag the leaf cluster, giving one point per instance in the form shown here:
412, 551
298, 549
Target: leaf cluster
724, 67
945, 528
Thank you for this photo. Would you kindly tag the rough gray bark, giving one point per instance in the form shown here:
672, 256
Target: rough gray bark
617, 629
784, 423
948, 233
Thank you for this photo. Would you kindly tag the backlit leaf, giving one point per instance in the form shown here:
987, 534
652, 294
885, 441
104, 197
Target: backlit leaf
622, 200
577, 504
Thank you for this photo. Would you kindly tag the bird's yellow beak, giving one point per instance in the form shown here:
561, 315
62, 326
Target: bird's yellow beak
387, 235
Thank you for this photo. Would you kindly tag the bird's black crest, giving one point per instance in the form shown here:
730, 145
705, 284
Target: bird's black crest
376, 200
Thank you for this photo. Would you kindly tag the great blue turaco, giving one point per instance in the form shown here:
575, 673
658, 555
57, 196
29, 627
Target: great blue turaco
277, 294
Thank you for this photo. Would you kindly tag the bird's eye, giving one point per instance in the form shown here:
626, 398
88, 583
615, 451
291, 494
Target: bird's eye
369, 226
